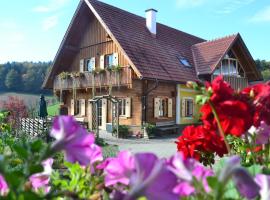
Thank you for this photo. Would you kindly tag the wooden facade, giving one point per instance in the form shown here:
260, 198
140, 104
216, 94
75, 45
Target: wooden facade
154, 87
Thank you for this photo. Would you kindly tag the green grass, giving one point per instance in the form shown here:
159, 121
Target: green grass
53, 110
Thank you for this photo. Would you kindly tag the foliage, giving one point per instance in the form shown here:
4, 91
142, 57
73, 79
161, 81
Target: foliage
64, 75
123, 131
150, 129
23, 76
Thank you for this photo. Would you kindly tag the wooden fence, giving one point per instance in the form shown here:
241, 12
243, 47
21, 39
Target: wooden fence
35, 127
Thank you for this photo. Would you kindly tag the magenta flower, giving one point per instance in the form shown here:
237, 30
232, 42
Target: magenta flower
119, 169
3, 186
264, 182
41, 180
76, 142
152, 179
186, 170
263, 134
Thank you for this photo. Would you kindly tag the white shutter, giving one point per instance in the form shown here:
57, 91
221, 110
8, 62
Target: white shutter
115, 59
156, 107
128, 107
82, 107
90, 118
101, 62
82, 65
170, 108
183, 108
72, 104
104, 113
93, 63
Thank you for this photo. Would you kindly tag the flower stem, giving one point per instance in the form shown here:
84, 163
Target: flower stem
219, 126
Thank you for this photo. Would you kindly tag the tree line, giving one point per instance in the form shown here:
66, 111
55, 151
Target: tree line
23, 76
29, 76
264, 67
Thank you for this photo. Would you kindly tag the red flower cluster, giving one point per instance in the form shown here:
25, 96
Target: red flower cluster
195, 140
237, 112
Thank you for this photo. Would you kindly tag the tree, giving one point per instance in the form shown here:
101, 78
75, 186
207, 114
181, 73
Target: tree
13, 80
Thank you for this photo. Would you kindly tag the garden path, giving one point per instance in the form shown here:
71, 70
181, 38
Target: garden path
163, 147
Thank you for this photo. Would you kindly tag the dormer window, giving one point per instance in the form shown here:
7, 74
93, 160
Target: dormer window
184, 62
230, 66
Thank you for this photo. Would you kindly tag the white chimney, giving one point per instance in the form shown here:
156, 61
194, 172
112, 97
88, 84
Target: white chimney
151, 22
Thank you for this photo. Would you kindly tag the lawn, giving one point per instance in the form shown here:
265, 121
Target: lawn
53, 110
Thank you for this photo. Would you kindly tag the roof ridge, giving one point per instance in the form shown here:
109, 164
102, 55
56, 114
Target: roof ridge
143, 18
216, 39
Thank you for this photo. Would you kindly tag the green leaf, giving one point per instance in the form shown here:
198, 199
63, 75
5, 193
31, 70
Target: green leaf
212, 181
33, 169
22, 152
36, 145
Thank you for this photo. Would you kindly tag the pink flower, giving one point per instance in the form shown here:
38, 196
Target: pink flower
119, 169
41, 180
78, 145
3, 186
264, 182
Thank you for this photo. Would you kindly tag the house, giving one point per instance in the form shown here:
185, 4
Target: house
144, 64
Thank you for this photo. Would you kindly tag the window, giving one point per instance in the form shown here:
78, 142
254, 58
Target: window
188, 107
163, 107
90, 64
108, 60
184, 62
230, 67
122, 107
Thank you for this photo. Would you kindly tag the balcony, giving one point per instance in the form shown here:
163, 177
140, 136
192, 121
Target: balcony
91, 80
236, 83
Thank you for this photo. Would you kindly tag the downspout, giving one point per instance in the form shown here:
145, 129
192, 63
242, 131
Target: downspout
144, 102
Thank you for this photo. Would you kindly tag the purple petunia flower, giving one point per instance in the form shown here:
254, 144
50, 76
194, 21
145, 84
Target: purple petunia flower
3, 186
76, 142
119, 169
263, 134
264, 182
41, 180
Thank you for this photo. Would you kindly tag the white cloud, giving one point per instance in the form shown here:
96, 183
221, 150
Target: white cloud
262, 16
189, 3
233, 5
53, 5
49, 22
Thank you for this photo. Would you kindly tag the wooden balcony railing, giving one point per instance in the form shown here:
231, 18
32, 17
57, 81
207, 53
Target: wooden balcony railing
236, 83
90, 80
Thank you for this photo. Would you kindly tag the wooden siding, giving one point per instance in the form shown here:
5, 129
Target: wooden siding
237, 83
122, 92
164, 89
95, 42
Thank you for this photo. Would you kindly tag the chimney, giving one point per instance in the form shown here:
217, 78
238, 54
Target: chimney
151, 22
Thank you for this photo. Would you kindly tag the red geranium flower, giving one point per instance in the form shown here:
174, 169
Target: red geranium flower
222, 91
261, 102
195, 140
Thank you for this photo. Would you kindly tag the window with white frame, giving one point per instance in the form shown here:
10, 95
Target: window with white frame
90, 64
108, 60
230, 66
122, 107
163, 107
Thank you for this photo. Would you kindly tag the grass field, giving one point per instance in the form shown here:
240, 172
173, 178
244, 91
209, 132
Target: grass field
32, 101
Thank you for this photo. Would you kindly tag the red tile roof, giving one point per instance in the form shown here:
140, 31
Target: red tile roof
207, 55
154, 57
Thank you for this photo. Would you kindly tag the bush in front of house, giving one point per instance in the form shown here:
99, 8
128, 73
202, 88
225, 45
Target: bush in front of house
123, 131
151, 129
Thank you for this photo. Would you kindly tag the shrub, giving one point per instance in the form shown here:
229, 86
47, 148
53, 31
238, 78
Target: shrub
123, 131
151, 129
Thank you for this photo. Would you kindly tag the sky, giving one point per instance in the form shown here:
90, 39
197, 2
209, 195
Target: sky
32, 30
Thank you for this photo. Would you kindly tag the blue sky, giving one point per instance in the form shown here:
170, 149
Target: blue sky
31, 30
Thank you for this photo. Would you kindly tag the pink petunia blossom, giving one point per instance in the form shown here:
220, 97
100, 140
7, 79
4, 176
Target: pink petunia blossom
119, 169
78, 145
263, 134
41, 180
3, 186
264, 183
